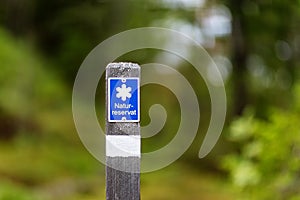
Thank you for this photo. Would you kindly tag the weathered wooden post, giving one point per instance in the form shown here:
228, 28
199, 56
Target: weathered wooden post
123, 145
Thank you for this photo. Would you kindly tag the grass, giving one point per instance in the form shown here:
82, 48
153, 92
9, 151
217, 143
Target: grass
55, 168
179, 181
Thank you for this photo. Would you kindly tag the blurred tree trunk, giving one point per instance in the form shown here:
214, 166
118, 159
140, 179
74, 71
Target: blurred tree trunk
16, 15
239, 57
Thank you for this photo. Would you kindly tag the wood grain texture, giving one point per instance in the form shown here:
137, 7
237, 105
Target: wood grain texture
122, 185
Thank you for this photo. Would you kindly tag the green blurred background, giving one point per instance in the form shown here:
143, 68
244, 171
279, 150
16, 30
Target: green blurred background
256, 46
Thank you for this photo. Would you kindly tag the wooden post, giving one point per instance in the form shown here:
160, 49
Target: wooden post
122, 131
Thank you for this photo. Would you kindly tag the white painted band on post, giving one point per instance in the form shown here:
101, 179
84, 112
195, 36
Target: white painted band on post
123, 145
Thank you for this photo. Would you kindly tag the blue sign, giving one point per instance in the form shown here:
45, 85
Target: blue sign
123, 100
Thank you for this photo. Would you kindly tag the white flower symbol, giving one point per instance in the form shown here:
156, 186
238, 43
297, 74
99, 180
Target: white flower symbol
123, 92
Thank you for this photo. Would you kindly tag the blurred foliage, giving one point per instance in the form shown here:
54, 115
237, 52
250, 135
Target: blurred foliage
36, 128
43, 44
267, 162
29, 94
66, 31
40, 155
264, 53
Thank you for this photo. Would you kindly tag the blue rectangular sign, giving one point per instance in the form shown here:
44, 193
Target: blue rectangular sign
123, 100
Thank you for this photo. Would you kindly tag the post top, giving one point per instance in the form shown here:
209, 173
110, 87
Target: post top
123, 69
122, 65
